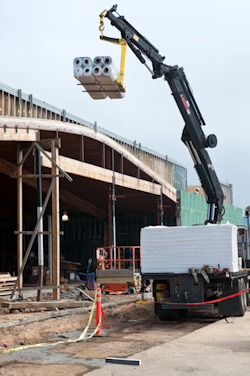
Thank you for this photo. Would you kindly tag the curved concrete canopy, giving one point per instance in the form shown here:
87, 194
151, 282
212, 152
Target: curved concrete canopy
50, 125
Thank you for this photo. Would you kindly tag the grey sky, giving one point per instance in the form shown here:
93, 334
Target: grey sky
211, 40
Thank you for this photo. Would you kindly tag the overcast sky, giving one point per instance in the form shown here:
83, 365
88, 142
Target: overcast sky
211, 40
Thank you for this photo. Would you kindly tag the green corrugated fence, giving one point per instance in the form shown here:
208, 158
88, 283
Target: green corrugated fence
194, 211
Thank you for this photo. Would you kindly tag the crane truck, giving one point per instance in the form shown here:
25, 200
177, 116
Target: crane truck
182, 289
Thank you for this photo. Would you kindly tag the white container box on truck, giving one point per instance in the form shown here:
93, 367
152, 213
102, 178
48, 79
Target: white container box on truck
191, 266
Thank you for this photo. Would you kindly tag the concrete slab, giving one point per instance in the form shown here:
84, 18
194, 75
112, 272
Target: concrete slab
218, 349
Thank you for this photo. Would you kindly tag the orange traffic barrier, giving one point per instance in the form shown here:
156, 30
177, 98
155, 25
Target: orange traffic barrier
99, 310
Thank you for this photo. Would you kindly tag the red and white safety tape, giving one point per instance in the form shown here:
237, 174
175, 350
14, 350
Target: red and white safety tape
209, 301
128, 306
168, 303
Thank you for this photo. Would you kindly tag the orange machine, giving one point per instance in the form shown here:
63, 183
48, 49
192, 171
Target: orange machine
118, 268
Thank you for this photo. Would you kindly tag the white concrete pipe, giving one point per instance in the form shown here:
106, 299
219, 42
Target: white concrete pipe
78, 71
91, 85
107, 60
82, 62
98, 60
97, 71
102, 75
77, 62
110, 75
87, 62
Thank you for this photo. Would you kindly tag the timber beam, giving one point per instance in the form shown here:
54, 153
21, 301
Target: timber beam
101, 174
74, 201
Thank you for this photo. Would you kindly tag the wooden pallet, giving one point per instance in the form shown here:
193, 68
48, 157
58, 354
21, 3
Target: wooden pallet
6, 283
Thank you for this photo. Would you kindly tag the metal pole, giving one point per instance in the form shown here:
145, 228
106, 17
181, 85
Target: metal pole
248, 237
50, 248
55, 222
112, 157
110, 230
19, 215
40, 228
161, 208
113, 216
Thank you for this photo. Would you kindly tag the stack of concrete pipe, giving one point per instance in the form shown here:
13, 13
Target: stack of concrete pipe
98, 76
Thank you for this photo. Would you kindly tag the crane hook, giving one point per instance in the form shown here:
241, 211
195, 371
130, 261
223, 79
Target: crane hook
101, 27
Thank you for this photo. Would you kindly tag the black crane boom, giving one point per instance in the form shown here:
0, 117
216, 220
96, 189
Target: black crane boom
193, 135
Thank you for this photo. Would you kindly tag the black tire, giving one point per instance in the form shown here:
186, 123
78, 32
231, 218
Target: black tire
183, 312
243, 285
131, 290
164, 318
173, 314
248, 294
242, 305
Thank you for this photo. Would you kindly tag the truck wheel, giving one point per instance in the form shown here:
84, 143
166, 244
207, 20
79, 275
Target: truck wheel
173, 314
243, 284
248, 294
242, 301
183, 312
164, 318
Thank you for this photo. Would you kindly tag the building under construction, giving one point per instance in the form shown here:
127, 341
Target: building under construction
107, 186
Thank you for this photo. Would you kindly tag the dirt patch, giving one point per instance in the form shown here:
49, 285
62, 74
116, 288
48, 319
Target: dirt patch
15, 369
37, 332
138, 330
44, 331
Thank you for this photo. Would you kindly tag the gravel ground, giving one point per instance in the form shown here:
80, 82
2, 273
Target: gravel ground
138, 330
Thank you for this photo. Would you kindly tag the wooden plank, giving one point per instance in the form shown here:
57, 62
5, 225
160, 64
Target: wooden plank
5, 280
35, 176
74, 201
40, 288
20, 135
101, 174
46, 304
168, 193
5, 293
67, 312
8, 289
7, 284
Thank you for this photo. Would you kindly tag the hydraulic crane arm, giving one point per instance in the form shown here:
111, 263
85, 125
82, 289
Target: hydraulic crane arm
192, 135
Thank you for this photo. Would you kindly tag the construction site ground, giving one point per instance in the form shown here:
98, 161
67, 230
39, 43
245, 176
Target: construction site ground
201, 343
